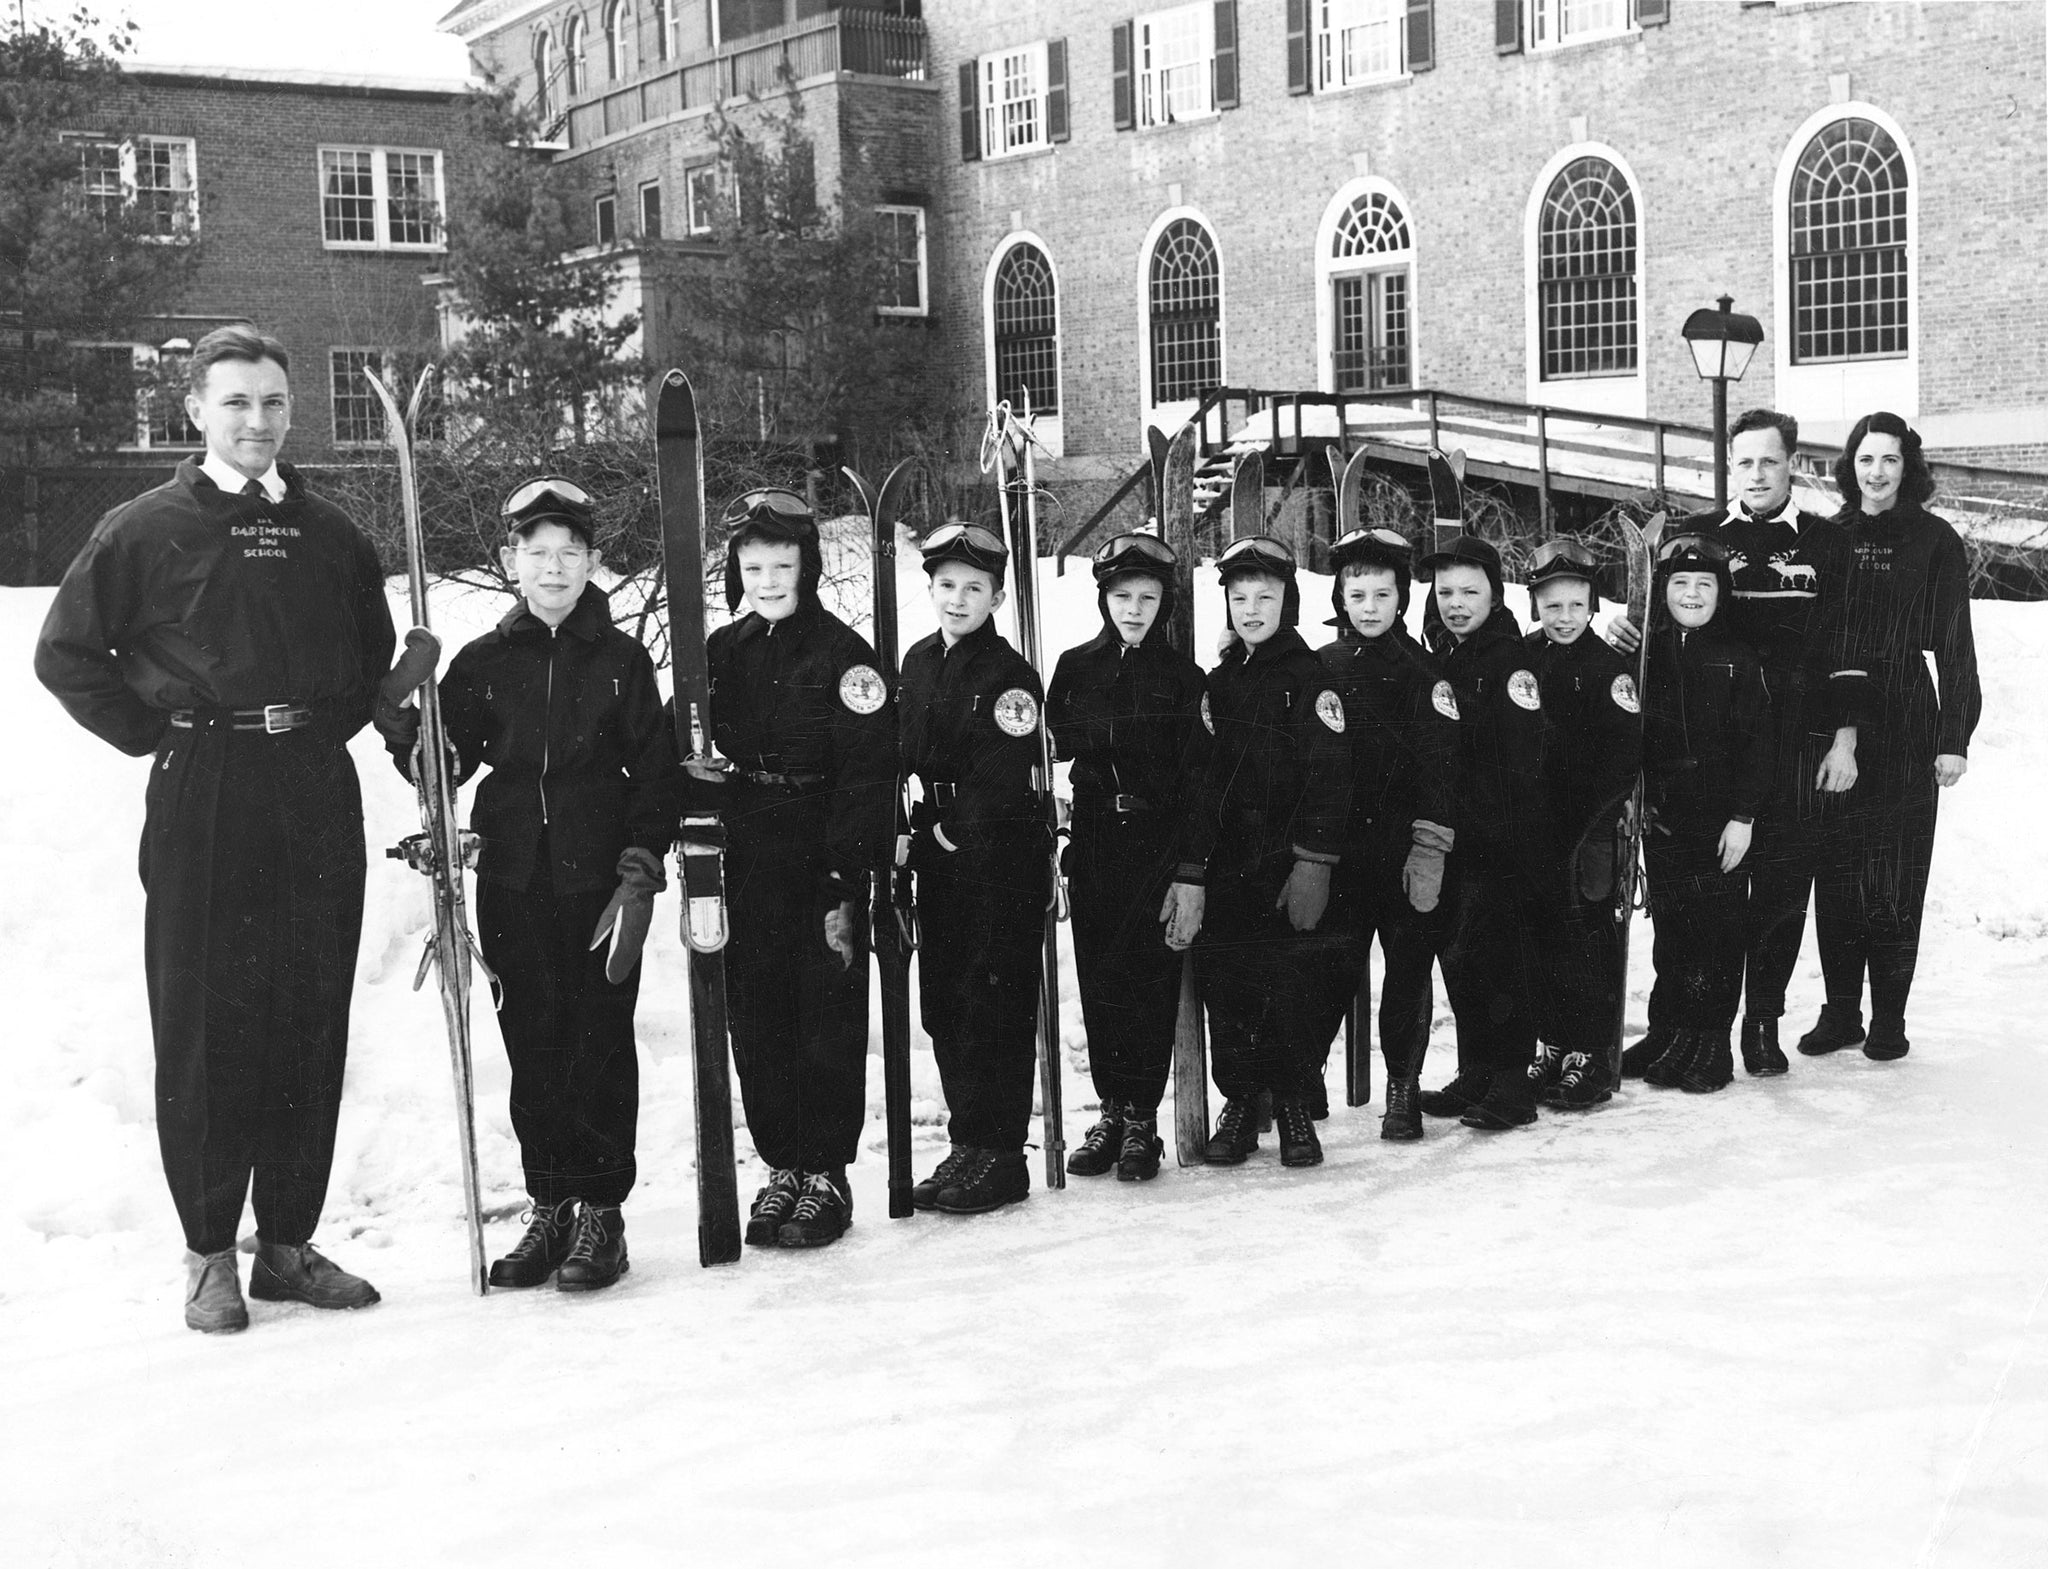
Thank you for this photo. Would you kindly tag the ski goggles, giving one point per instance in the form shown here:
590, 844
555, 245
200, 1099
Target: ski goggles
968, 542
1372, 539
1257, 552
548, 494
781, 512
1562, 558
1147, 545
1691, 545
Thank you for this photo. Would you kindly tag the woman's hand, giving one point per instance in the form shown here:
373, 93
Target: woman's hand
1950, 767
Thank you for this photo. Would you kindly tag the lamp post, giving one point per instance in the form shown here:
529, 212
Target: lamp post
1721, 342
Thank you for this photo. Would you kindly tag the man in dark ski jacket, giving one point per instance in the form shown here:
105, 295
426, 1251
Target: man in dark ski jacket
981, 850
802, 715
1267, 832
574, 816
1126, 707
235, 625
1591, 759
1502, 851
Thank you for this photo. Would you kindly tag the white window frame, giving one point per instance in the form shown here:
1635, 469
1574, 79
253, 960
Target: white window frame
1329, 268
1170, 89
575, 43
380, 199
1049, 429
700, 199
1625, 394
924, 277
543, 68
1336, 20
660, 214
1169, 417
381, 359
606, 201
1551, 24
619, 40
665, 24
1013, 86
125, 188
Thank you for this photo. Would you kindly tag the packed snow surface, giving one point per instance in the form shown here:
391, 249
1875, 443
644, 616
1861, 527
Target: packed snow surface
1798, 1322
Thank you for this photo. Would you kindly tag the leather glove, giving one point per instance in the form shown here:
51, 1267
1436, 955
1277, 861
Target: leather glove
396, 722
1422, 874
630, 913
1306, 895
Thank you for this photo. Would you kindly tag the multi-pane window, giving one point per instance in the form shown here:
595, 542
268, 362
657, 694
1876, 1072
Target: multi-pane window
1013, 107
1358, 41
358, 417
1556, 22
700, 191
1027, 331
1177, 64
575, 40
165, 422
150, 178
903, 287
543, 73
1369, 296
1185, 299
618, 39
1586, 272
380, 198
665, 30
1849, 283
650, 210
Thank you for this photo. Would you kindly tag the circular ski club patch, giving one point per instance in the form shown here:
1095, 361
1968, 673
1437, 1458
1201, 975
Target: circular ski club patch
1444, 700
861, 689
1330, 710
1016, 712
1523, 689
1624, 692
1208, 723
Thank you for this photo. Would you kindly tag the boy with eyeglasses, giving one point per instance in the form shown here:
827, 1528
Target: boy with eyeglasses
1125, 707
575, 815
802, 719
969, 716
1400, 720
1264, 840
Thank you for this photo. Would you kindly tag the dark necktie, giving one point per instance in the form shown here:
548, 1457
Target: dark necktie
253, 488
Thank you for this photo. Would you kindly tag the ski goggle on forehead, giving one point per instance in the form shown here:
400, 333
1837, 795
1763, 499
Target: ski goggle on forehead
1374, 536
1148, 545
1691, 545
784, 506
1569, 551
976, 537
1257, 549
548, 493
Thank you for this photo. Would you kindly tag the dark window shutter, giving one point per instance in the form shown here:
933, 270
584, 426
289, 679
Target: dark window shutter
970, 111
1507, 26
1226, 54
1297, 46
1652, 13
1056, 128
1121, 107
1421, 35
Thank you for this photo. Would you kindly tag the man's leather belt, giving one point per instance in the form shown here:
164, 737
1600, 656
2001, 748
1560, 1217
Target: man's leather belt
1121, 802
273, 719
780, 781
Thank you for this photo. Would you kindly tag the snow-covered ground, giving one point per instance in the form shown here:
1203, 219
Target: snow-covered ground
1796, 1323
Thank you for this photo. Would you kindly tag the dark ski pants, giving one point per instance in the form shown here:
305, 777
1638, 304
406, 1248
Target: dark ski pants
1368, 902
569, 1037
981, 918
1118, 868
1489, 964
252, 861
1579, 950
1697, 937
798, 1012
1258, 978
1869, 892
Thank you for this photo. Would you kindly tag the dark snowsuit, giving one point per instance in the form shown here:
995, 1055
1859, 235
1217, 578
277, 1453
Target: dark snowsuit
1277, 789
191, 601
1905, 590
1130, 719
569, 721
1707, 762
969, 730
800, 710
1400, 722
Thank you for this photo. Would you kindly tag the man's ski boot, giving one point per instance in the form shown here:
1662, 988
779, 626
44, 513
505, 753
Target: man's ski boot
597, 1254
1834, 1029
1236, 1135
305, 1274
1294, 1118
1138, 1160
1100, 1146
1711, 1066
991, 1179
537, 1255
1545, 1067
1467, 1089
1510, 1103
1887, 1040
1402, 1119
213, 1293
1636, 1059
1582, 1084
1761, 1058
925, 1194
822, 1213
773, 1206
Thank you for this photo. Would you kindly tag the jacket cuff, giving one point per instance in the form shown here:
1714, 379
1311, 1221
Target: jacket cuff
1193, 873
1320, 857
1433, 836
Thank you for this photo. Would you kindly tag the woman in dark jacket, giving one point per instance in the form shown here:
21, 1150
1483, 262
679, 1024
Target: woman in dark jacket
1905, 594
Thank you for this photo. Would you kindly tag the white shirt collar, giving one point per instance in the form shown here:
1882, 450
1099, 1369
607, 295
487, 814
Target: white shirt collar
1790, 516
232, 480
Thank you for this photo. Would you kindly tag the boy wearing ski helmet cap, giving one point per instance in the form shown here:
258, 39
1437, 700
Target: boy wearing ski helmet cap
574, 816
1265, 836
803, 723
1496, 865
1708, 744
970, 712
1594, 753
1400, 723
1125, 707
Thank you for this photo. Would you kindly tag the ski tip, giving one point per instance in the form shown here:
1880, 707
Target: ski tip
675, 406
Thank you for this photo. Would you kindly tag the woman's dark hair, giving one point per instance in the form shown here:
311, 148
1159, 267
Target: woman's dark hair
239, 342
1917, 485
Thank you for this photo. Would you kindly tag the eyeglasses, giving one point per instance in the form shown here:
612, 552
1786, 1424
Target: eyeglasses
1258, 547
1569, 551
1149, 545
785, 504
565, 556
977, 538
1377, 536
1692, 545
548, 488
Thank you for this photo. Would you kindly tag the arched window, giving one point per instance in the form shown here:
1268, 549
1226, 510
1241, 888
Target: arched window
618, 40
1025, 311
1185, 296
1369, 268
1848, 223
543, 72
573, 42
1586, 272
664, 30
